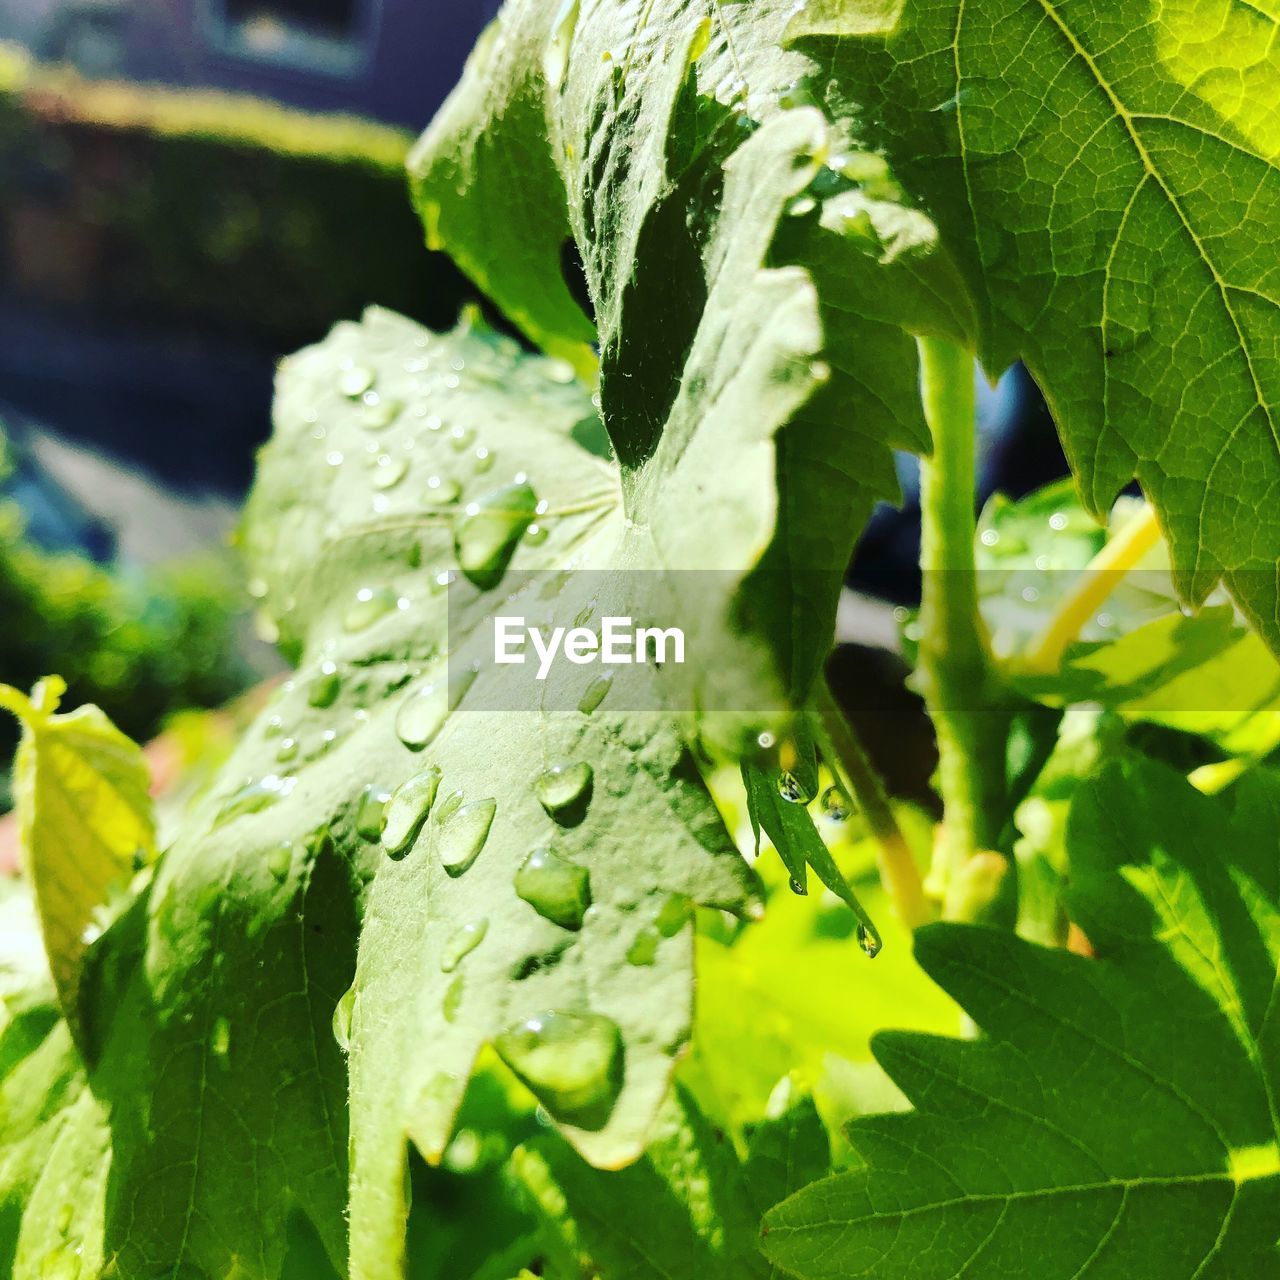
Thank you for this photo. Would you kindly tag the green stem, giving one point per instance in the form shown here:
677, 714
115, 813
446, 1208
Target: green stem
964, 699
857, 776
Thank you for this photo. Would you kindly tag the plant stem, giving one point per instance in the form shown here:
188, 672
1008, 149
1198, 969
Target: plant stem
848, 759
964, 701
1096, 583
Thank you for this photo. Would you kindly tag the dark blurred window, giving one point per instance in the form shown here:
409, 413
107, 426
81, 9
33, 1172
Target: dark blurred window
327, 17
333, 37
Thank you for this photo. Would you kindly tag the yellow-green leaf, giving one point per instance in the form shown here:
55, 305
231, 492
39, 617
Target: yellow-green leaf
81, 790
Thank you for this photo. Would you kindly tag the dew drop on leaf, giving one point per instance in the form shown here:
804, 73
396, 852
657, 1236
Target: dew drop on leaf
644, 948
287, 750
373, 801
452, 999
487, 535
572, 1062
673, 915
463, 834
254, 797
280, 861
869, 941
799, 887
595, 693
462, 943
562, 787
407, 810
420, 716
325, 687
443, 490
557, 889
789, 789
369, 605
389, 472
834, 804
354, 382
342, 1019
379, 412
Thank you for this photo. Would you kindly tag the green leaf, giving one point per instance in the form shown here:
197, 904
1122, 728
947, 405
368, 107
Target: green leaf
583, 984
632, 129
689, 1209
800, 845
81, 790
1139, 654
1063, 150
1118, 1117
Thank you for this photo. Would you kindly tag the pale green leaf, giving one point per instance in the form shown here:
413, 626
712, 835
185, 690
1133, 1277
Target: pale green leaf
81, 791
1117, 1116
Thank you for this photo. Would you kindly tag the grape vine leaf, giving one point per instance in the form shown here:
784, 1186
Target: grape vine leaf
86, 821
448, 960
1065, 152
689, 1209
626, 120
1118, 1117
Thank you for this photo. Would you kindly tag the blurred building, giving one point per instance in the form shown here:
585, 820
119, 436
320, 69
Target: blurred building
393, 60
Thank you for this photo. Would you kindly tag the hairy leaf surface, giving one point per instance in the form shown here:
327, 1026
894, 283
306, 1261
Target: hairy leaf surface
1108, 181
1118, 1117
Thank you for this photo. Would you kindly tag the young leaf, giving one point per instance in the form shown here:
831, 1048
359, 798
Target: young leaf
1118, 1118
689, 1209
1062, 150
81, 791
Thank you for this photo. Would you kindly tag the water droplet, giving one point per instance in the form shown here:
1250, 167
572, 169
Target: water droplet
369, 813
443, 490
1057, 521
220, 1039
644, 948
355, 382
572, 1062
484, 461
789, 789
869, 941
389, 472
463, 942
563, 787
461, 437
342, 1016
463, 835
287, 750
407, 810
557, 889
420, 716
537, 534
325, 687
379, 412
798, 887
453, 999
369, 606
834, 804
486, 537
254, 797
595, 693
280, 861
673, 915
61, 1264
